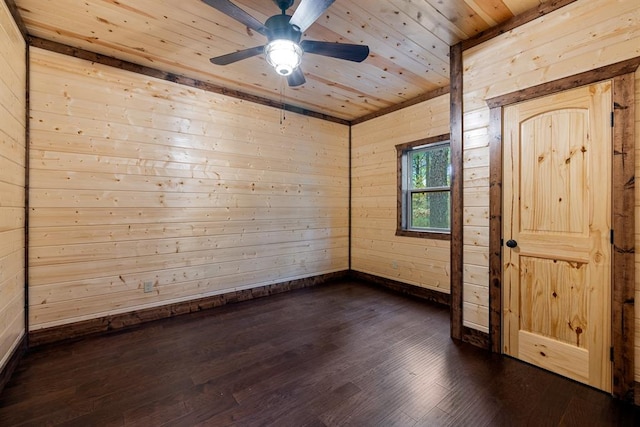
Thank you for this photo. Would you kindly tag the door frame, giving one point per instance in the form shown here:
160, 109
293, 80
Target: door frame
622, 75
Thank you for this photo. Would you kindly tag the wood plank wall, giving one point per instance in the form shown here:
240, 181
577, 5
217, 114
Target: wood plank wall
135, 179
12, 184
576, 38
375, 248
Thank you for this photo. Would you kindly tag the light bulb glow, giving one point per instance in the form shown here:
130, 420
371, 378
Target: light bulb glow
283, 55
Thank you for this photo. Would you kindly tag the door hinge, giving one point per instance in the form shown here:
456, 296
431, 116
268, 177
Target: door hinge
611, 236
611, 353
612, 121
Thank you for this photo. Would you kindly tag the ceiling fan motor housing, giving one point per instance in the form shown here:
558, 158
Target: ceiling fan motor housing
283, 51
278, 28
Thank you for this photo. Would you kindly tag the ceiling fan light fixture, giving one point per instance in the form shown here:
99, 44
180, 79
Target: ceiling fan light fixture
283, 55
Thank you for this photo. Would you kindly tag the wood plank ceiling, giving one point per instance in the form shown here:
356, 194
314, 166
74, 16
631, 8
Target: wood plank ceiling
409, 42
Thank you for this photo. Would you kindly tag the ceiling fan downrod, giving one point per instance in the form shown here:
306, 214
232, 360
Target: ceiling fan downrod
283, 5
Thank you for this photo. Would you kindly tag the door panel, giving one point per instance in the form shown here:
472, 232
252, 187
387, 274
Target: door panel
563, 316
556, 203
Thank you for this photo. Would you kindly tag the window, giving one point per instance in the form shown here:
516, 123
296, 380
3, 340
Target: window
424, 188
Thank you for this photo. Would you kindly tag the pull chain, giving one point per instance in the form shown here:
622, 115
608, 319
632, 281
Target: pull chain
282, 110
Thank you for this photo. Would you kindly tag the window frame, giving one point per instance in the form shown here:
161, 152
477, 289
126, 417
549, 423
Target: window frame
402, 151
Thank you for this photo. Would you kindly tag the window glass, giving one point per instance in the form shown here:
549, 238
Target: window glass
430, 167
431, 210
424, 177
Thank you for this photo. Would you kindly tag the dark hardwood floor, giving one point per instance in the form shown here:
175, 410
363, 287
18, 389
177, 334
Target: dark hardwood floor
339, 354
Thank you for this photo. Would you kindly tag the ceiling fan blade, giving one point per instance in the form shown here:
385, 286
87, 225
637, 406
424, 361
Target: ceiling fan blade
230, 58
230, 9
307, 13
350, 52
296, 78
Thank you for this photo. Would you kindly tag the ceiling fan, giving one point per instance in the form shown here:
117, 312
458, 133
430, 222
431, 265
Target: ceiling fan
284, 49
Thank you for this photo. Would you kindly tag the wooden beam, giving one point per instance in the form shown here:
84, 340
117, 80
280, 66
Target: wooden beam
623, 223
27, 174
457, 202
495, 228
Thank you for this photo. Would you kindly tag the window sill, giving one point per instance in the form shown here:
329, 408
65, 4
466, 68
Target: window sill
424, 234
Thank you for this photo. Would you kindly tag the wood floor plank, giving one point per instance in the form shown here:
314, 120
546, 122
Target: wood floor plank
436, 418
346, 353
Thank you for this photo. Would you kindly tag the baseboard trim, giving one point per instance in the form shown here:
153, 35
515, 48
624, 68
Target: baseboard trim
116, 322
403, 288
12, 363
122, 321
477, 338
471, 336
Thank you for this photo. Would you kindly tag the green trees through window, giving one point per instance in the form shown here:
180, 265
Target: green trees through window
429, 185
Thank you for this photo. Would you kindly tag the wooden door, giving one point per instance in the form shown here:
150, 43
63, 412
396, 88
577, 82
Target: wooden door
557, 213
